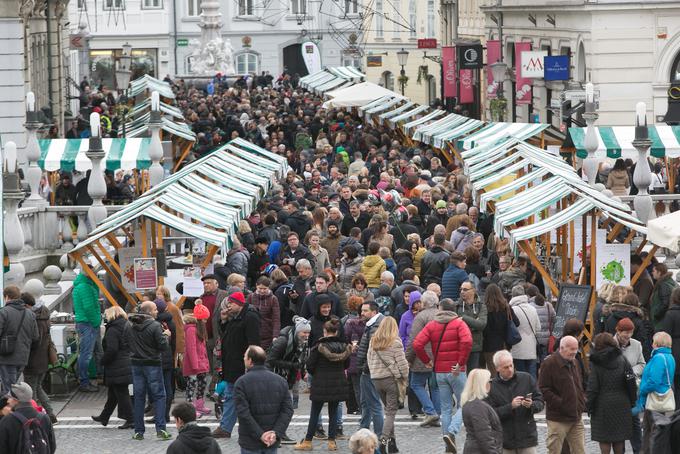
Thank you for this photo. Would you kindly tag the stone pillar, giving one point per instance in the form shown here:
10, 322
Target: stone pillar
590, 164
33, 173
11, 196
156, 172
96, 187
642, 176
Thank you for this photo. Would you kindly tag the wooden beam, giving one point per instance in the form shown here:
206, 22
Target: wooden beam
645, 263
615, 231
114, 264
92, 275
143, 239
184, 155
593, 270
630, 237
642, 245
111, 275
524, 245
113, 240
159, 244
572, 249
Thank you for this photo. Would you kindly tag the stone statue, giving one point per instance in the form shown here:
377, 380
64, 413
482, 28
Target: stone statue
212, 54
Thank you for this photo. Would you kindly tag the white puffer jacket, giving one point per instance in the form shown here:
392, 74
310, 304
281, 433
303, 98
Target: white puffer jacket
529, 326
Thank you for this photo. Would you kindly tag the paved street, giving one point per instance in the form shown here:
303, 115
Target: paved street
77, 433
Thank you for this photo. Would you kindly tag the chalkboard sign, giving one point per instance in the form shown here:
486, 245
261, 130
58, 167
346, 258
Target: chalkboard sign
573, 302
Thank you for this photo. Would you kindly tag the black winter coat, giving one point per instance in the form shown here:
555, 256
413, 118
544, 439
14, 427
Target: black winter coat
146, 340
168, 353
237, 334
435, 261
519, 425
607, 397
327, 362
364, 342
495, 330
286, 358
263, 403
671, 324
194, 439
298, 223
10, 430
116, 359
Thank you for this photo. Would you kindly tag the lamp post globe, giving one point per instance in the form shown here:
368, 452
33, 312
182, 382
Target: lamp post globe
402, 58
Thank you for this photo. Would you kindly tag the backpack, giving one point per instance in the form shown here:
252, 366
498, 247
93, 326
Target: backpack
385, 305
34, 437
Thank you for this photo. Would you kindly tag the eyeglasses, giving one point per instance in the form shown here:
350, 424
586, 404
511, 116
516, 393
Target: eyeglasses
465, 289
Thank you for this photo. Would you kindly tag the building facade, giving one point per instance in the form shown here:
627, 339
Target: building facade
265, 35
629, 50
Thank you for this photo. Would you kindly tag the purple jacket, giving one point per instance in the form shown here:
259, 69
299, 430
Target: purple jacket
354, 329
407, 319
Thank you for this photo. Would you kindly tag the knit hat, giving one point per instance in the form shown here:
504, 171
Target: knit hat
625, 324
237, 298
161, 305
22, 392
440, 204
301, 325
201, 312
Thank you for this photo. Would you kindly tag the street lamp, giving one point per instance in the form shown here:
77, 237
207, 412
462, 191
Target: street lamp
123, 74
498, 71
402, 58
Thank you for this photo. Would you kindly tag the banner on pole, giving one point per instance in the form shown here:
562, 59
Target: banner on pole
493, 54
522, 84
449, 65
467, 90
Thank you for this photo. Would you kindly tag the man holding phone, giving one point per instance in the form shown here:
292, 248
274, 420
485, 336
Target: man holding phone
516, 398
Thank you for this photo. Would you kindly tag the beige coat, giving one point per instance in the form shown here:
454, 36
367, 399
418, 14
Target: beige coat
618, 182
390, 363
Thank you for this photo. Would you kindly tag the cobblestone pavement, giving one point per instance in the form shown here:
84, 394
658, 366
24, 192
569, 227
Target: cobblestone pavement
77, 433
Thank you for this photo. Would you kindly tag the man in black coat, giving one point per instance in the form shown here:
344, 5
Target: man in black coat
310, 303
293, 252
11, 440
297, 221
239, 329
356, 218
263, 404
192, 438
402, 229
516, 398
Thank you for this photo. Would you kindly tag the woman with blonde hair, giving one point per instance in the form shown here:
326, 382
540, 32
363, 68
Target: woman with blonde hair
319, 215
117, 368
363, 442
389, 373
482, 425
246, 234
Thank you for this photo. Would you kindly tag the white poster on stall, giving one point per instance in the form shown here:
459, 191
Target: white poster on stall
612, 264
191, 278
126, 260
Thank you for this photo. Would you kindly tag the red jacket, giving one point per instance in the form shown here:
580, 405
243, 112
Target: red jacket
195, 354
455, 346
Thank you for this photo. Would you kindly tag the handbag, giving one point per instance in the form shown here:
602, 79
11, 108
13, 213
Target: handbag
538, 345
662, 402
402, 382
52, 356
8, 342
631, 383
512, 335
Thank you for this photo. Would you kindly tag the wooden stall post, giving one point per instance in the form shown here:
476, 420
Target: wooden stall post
92, 275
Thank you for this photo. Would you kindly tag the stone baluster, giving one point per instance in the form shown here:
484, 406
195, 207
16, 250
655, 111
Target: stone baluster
33, 173
590, 164
27, 226
67, 264
642, 176
156, 172
96, 187
66, 232
12, 195
82, 227
52, 276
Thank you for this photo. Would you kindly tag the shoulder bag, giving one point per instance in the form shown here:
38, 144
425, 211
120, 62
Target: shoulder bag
512, 335
8, 341
662, 402
402, 382
441, 336
538, 345
631, 382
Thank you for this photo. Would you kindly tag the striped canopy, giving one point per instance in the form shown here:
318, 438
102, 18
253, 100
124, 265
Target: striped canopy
69, 154
616, 142
331, 78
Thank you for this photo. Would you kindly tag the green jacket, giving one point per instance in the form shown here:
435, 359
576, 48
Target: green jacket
86, 301
661, 298
474, 315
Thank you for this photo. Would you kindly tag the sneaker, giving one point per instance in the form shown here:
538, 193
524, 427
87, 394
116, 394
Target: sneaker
53, 418
163, 435
286, 440
138, 436
88, 388
430, 421
450, 442
320, 434
220, 433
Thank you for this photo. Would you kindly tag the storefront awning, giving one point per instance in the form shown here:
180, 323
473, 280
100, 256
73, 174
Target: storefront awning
616, 141
69, 154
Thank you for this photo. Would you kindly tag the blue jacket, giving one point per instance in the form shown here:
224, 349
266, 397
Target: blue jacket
655, 378
452, 278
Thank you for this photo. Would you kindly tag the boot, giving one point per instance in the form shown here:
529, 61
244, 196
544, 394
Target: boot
201, 409
392, 446
383, 446
304, 445
332, 446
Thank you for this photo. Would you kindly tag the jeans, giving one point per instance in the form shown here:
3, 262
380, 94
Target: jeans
636, 439
450, 386
87, 337
355, 380
271, 450
371, 406
148, 379
314, 419
9, 375
526, 365
338, 414
228, 409
429, 400
39, 394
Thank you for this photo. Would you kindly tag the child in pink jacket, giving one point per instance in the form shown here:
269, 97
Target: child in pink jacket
195, 366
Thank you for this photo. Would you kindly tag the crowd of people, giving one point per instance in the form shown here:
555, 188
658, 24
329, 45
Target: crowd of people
368, 280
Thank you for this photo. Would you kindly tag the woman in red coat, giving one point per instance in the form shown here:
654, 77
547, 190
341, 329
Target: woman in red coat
195, 365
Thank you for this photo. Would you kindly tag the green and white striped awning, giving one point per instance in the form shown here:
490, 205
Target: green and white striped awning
69, 154
616, 141
423, 133
331, 78
494, 132
147, 82
407, 115
140, 127
145, 107
432, 116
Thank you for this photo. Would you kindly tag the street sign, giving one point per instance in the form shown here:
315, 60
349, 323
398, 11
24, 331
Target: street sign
556, 67
77, 41
182, 42
470, 56
427, 43
555, 103
578, 95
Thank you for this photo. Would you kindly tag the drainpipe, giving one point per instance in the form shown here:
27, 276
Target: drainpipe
49, 58
174, 34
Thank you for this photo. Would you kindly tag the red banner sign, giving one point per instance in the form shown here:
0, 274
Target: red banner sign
467, 91
493, 54
427, 43
522, 85
449, 66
